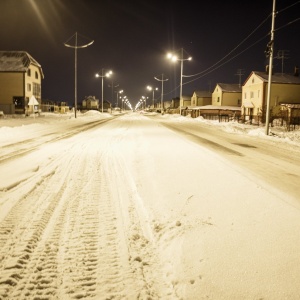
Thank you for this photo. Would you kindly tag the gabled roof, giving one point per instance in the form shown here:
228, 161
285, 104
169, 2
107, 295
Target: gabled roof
203, 94
230, 87
17, 61
278, 77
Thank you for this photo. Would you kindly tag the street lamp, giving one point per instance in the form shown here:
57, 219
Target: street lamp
76, 46
162, 90
107, 74
118, 92
150, 88
181, 59
112, 90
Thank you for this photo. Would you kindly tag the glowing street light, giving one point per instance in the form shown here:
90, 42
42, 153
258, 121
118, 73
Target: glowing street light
174, 58
118, 92
107, 74
150, 88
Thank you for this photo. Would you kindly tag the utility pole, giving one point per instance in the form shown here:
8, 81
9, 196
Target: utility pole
282, 54
162, 80
270, 49
240, 74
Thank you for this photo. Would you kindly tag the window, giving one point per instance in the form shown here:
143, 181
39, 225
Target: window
28, 87
245, 95
218, 99
29, 72
251, 94
36, 75
37, 90
253, 80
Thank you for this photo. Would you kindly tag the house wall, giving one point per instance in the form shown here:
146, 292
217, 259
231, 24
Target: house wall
204, 101
11, 85
186, 102
33, 84
231, 99
283, 93
217, 96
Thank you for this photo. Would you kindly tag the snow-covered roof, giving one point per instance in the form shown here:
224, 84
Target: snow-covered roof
279, 77
203, 94
230, 87
215, 107
17, 61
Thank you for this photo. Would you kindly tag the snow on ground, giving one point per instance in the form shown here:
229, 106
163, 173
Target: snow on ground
153, 227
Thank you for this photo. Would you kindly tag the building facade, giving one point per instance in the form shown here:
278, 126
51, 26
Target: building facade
285, 88
226, 94
20, 78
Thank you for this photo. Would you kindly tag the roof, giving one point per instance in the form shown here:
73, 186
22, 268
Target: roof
215, 107
230, 87
204, 94
279, 77
17, 61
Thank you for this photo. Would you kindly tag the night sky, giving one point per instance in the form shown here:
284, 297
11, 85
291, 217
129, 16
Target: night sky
132, 38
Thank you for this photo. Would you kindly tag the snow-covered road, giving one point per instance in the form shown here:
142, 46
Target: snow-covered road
130, 209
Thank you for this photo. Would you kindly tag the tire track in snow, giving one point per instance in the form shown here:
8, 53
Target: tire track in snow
143, 250
86, 233
75, 248
21, 254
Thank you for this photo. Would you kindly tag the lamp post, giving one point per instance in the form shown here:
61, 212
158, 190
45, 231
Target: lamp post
181, 59
112, 90
150, 88
107, 74
76, 46
162, 90
118, 92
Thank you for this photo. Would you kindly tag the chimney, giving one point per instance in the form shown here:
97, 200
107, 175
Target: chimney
296, 71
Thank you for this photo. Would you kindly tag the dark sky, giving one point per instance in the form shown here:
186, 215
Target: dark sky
132, 38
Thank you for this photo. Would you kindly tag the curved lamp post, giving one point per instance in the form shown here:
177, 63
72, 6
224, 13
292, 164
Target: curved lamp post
181, 59
76, 46
107, 74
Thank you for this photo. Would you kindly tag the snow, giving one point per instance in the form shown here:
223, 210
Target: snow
130, 210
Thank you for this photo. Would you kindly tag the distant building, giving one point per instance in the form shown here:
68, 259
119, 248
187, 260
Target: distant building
226, 94
186, 101
90, 102
201, 98
20, 78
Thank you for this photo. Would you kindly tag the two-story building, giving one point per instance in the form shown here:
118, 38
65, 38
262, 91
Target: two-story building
20, 78
90, 102
285, 88
201, 98
226, 94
